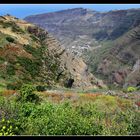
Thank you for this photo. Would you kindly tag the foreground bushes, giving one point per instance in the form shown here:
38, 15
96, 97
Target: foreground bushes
103, 116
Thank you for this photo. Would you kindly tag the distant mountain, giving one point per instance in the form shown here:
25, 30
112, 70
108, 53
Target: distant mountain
81, 29
30, 54
108, 41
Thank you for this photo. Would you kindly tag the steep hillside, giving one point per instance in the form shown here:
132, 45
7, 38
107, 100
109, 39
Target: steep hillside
30, 54
81, 29
118, 62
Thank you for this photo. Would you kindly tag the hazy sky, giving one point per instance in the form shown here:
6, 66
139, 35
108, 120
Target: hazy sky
23, 10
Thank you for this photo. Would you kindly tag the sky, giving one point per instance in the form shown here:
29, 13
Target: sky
23, 10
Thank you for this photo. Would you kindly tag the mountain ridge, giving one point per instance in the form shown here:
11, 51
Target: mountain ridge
69, 25
83, 34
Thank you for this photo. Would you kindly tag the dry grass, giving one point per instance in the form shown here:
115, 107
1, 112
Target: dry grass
123, 103
8, 92
71, 96
22, 39
92, 95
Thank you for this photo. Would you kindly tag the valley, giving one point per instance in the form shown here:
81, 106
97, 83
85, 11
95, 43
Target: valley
71, 72
81, 30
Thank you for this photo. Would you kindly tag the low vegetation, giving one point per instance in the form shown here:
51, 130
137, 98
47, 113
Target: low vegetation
29, 112
131, 89
10, 39
14, 27
8, 128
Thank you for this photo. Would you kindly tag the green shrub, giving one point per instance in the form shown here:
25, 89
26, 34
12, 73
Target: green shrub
13, 25
10, 39
9, 109
124, 90
31, 66
9, 114
10, 70
34, 37
43, 87
40, 88
7, 24
2, 59
138, 88
135, 126
131, 89
36, 52
14, 86
27, 95
11, 86
60, 119
17, 29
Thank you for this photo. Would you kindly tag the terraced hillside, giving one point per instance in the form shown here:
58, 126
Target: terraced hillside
30, 54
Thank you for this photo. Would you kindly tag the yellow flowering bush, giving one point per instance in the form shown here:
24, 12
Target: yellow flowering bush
7, 128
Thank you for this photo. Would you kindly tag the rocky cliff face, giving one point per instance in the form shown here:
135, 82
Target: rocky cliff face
73, 65
30, 54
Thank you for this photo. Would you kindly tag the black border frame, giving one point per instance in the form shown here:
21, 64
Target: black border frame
69, 2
